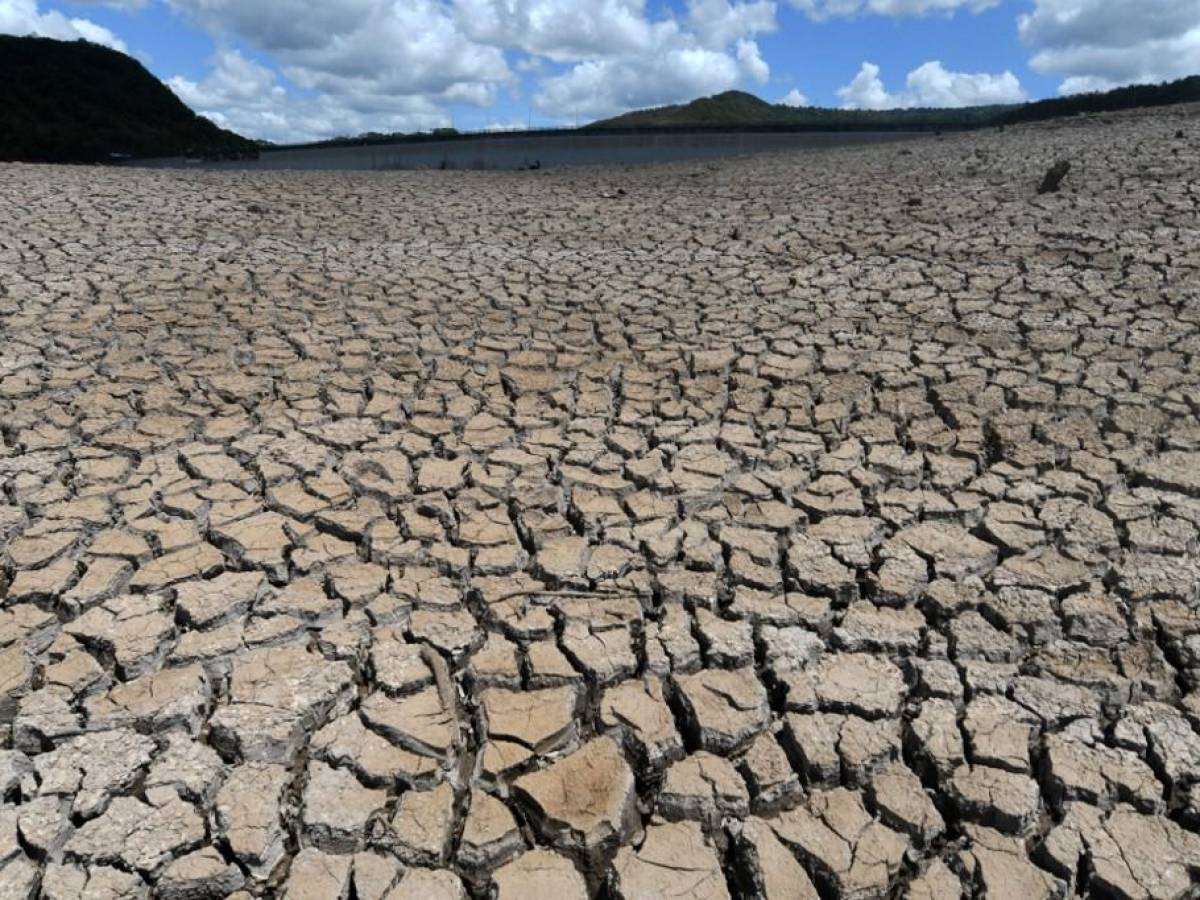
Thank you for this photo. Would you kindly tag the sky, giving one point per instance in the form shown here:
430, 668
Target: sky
296, 70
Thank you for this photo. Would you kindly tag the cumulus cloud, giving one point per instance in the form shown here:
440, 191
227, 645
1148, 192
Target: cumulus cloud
245, 96
114, 4
590, 57
618, 57
793, 98
719, 23
561, 30
1100, 44
821, 10
751, 62
598, 88
931, 84
577, 30
22, 17
866, 90
360, 49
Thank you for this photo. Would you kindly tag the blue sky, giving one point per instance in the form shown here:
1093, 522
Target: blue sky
303, 69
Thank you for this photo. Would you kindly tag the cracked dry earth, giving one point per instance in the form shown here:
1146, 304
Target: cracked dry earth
813, 525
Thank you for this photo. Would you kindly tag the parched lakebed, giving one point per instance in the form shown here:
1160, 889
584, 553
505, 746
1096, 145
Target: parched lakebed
818, 524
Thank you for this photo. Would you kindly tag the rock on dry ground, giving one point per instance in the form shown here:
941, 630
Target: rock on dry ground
821, 524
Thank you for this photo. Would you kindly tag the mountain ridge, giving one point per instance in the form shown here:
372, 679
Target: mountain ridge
741, 109
79, 102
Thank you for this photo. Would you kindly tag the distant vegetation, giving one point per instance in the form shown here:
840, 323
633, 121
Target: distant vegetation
1185, 90
737, 109
74, 101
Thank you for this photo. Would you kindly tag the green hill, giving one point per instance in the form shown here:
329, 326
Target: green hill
74, 101
737, 109
730, 108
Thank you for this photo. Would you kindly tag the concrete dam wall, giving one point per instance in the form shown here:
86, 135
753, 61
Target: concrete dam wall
533, 151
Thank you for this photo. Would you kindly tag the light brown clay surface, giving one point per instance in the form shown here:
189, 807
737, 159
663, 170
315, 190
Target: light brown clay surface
821, 524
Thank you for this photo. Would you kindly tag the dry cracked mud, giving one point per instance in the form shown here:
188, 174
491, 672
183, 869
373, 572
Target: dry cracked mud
812, 525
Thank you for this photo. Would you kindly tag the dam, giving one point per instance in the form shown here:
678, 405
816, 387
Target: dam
535, 150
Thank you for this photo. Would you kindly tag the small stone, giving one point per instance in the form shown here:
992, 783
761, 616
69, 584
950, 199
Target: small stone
1000, 865
768, 772
638, 711
541, 720
420, 723
375, 874
937, 882
133, 628
70, 882
726, 644
201, 875
584, 802
137, 835
605, 656
422, 825
846, 850
44, 824
277, 695
429, 884
205, 604
539, 875
564, 560
724, 709
490, 836
995, 798
705, 788
248, 812
674, 860
903, 805
376, 761
196, 561
93, 768
318, 876
865, 685
772, 870
952, 551
171, 698
337, 809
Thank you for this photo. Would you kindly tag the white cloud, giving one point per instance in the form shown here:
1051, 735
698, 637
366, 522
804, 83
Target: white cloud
341, 66
719, 23
360, 65
794, 98
561, 30
234, 81
247, 97
617, 56
865, 90
115, 4
821, 10
360, 47
571, 31
590, 57
751, 62
1099, 44
931, 84
603, 87
22, 17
